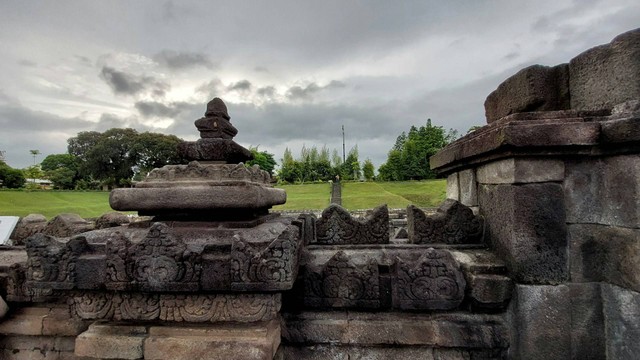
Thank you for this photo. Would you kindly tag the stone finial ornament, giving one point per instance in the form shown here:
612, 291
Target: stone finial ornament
215, 123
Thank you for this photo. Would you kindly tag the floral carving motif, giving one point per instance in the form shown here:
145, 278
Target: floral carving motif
432, 282
453, 223
341, 283
197, 171
337, 226
159, 262
179, 308
273, 268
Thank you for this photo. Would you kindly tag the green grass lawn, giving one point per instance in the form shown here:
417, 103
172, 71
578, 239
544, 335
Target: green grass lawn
365, 195
51, 203
357, 195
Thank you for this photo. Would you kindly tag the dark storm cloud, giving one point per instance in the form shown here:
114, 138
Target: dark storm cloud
307, 92
123, 83
157, 109
35, 130
27, 63
266, 91
212, 88
175, 60
242, 86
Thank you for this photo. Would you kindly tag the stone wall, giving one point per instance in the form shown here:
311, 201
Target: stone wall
559, 189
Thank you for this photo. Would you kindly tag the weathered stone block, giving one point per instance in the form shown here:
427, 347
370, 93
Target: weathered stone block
66, 225
4, 308
111, 341
587, 322
26, 321
521, 170
621, 309
541, 320
60, 323
229, 341
112, 219
445, 330
468, 187
621, 130
27, 226
604, 191
453, 187
606, 75
490, 291
605, 253
527, 227
535, 88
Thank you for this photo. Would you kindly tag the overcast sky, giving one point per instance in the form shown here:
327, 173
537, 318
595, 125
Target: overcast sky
291, 72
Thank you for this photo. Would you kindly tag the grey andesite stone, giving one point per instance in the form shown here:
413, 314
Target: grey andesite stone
605, 253
521, 170
453, 187
606, 75
604, 191
535, 88
621, 309
541, 320
468, 187
526, 226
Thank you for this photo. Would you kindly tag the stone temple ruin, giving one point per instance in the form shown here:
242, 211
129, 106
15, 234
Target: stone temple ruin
534, 255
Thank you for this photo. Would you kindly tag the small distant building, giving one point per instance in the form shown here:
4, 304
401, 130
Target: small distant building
43, 183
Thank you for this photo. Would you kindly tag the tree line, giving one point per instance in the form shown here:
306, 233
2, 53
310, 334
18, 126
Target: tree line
321, 165
118, 157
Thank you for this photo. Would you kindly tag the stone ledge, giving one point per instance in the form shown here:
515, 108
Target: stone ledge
541, 134
451, 330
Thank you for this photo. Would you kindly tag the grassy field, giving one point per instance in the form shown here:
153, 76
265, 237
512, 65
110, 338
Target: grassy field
359, 195
51, 203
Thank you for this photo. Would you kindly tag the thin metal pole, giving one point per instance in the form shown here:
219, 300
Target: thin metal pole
344, 159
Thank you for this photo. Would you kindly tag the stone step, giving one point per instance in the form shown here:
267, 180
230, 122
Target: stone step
406, 335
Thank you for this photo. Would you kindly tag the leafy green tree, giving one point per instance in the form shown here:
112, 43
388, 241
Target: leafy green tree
62, 170
263, 159
33, 172
350, 170
114, 156
368, 170
11, 178
409, 156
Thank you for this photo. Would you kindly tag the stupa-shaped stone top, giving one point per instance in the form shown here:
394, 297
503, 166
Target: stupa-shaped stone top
216, 138
214, 186
215, 123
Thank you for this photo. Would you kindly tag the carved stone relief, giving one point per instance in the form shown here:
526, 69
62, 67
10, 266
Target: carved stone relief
159, 262
337, 227
196, 308
432, 282
453, 223
51, 263
341, 283
273, 268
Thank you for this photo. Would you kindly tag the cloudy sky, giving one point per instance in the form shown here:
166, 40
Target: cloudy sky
291, 72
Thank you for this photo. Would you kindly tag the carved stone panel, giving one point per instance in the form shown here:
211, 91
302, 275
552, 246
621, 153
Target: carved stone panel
341, 283
195, 308
160, 262
432, 282
51, 263
453, 223
337, 226
272, 268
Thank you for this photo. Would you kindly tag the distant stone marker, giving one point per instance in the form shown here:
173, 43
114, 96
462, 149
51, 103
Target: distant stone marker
7, 224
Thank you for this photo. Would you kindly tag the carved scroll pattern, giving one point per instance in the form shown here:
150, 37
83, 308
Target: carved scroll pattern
341, 283
51, 263
432, 282
178, 308
159, 262
453, 223
274, 268
337, 226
